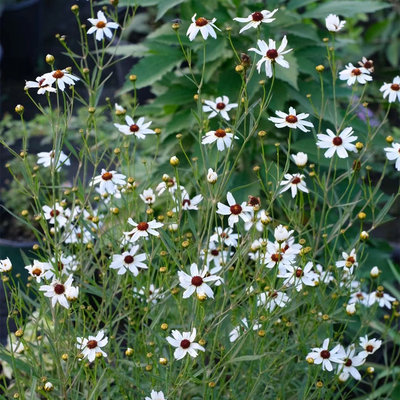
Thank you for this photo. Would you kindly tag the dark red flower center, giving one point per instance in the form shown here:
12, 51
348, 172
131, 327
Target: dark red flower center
272, 54
186, 201
276, 257
91, 344
273, 294
36, 271
296, 180
395, 87
100, 24
134, 128
254, 201
54, 213
378, 294
351, 260
224, 235
292, 119
368, 64
283, 249
220, 106
60, 266
359, 296
214, 252
185, 344
201, 21
59, 288
370, 348
257, 16
143, 226
220, 133
128, 259
107, 176
236, 209
356, 71
58, 74
299, 273
337, 141
325, 354
348, 363
197, 281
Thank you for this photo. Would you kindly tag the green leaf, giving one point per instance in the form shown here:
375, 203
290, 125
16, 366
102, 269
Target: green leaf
392, 52
345, 8
293, 4
290, 74
181, 120
165, 5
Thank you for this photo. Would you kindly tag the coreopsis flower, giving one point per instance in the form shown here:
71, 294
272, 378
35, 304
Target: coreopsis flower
129, 260
221, 106
197, 282
56, 214
324, 276
154, 395
256, 18
392, 90
321, 355
142, 229
337, 144
291, 120
41, 85
148, 196
109, 181
78, 234
239, 330
184, 343
216, 255
221, 136
5, 265
298, 276
204, 26
352, 74
281, 255
38, 269
258, 219
151, 294
281, 233
300, 159
168, 183
349, 261
61, 77
47, 159
370, 346
63, 266
89, 347
294, 182
393, 153
187, 203
257, 250
101, 26
212, 176
18, 347
351, 361
270, 55
272, 299
367, 64
358, 296
383, 299
234, 210
224, 237
333, 23
139, 128
57, 291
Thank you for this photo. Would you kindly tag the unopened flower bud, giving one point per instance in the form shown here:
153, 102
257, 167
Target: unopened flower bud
359, 145
175, 26
389, 139
132, 78
48, 387
362, 215
19, 109
239, 68
212, 176
129, 352
75, 8
174, 161
163, 361
320, 68
351, 309
364, 235
375, 272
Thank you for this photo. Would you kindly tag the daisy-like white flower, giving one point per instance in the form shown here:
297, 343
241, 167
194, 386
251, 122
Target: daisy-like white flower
212, 176
383, 299
270, 55
225, 237
323, 275
139, 128
358, 296
142, 229
333, 23
168, 183
291, 120
197, 282
370, 346
78, 234
256, 18
367, 64
393, 153
294, 182
61, 77
129, 260
151, 294
63, 266
300, 159
260, 219
392, 90
352, 74
221, 106
184, 343
281, 233
41, 85
148, 196
298, 276
38, 269
57, 291
189, 204
154, 395
202, 25
91, 346
5, 265
56, 214
337, 144
281, 254
221, 136
349, 261
47, 159
216, 255
272, 299
234, 210
235, 333
321, 355
101, 26
109, 181
351, 361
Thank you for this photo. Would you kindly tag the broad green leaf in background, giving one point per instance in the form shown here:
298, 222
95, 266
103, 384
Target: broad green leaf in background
165, 5
290, 74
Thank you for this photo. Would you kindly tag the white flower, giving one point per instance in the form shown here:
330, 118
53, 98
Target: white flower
291, 120
351, 309
221, 106
148, 196
294, 182
78, 234
352, 74
392, 90
349, 261
393, 153
333, 23
216, 255
38, 269
92, 345
212, 176
375, 272
119, 110
63, 266
368, 64
224, 237
184, 343
324, 276
57, 291
337, 144
358, 296
383, 299
41, 85
221, 136
256, 18
129, 260
321, 355
189, 204
272, 300
5, 265
154, 395
47, 159
351, 361
61, 77
202, 25
240, 329
151, 294
168, 183
109, 181
298, 276
18, 348
370, 345
300, 159
271, 55
281, 233
72, 293
56, 214
196, 282
139, 128
281, 254
234, 210
142, 229
101, 26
